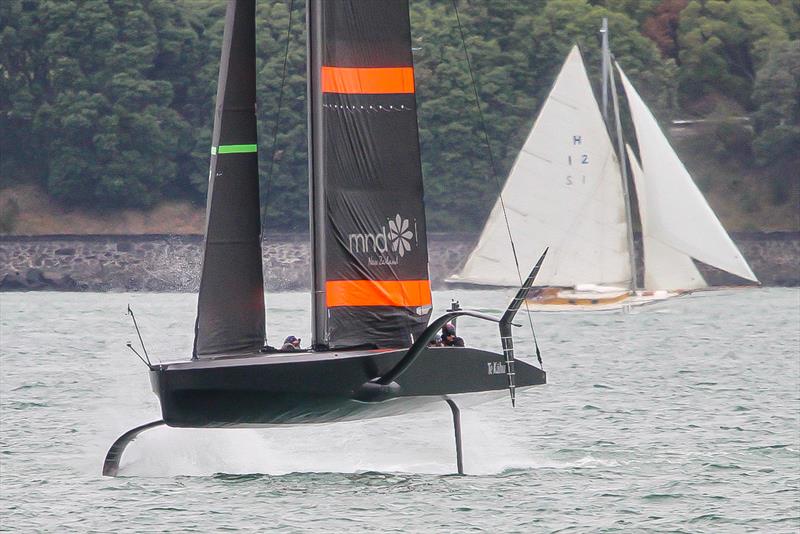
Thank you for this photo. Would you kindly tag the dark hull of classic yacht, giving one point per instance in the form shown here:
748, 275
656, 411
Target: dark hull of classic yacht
254, 390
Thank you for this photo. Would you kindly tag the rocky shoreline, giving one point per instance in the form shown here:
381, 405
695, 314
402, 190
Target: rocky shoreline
171, 263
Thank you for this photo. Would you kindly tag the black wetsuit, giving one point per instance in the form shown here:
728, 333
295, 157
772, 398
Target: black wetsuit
456, 342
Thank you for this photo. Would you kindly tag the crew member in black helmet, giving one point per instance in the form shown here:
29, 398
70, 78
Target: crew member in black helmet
449, 337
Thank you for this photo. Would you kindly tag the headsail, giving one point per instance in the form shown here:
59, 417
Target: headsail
230, 309
678, 217
664, 267
565, 192
371, 282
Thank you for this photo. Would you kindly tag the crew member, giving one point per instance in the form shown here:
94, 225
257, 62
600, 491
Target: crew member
449, 337
291, 344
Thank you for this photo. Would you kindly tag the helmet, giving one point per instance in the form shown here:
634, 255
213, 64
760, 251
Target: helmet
448, 330
291, 339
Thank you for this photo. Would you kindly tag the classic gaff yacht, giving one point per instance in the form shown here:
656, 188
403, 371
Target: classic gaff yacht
371, 293
568, 189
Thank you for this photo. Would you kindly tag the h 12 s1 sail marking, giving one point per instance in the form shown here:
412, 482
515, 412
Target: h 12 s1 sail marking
582, 159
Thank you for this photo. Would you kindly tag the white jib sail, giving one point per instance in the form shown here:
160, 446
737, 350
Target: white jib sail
678, 216
664, 267
564, 192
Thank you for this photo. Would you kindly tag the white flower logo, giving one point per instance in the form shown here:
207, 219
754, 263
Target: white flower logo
400, 235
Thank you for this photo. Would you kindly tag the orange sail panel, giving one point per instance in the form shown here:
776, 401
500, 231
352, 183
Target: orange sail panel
367, 80
406, 293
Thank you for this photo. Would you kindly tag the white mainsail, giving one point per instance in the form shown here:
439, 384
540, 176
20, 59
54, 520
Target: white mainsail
564, 192
677, 220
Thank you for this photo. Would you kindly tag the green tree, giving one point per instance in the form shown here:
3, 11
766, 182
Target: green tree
23, 85
777, 116
638, 10
724, 42
98, 88
285, 190
110, 102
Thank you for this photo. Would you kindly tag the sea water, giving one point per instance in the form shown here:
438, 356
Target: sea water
680, 417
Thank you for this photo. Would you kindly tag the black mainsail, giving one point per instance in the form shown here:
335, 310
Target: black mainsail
370, 272
230, 309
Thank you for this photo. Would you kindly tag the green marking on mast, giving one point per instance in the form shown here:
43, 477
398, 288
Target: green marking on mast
234, 149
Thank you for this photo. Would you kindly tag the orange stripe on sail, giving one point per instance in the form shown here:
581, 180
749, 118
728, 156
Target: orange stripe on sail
367, 80
377, 293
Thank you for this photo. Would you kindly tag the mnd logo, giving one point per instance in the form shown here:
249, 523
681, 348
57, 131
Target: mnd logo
400, 235
400, 239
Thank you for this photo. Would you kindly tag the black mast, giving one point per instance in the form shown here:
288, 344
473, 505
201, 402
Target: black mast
316, 191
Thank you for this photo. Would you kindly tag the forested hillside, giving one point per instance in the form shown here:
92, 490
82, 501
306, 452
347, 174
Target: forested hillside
108, 104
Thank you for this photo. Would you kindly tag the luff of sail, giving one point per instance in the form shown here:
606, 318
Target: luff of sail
230, 310
371, 282
564, 191
678, 218
665, 267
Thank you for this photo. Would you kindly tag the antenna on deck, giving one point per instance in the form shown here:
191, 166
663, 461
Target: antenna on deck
130, 346
146, 358
454, 306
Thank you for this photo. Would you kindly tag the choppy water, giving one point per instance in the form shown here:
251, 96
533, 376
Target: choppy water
683, 417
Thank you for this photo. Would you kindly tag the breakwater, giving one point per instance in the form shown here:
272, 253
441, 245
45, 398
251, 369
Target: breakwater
164, 262
172, 262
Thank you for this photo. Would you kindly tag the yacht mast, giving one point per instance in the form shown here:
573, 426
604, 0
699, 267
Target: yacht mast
316, 192
609, 77
605, 67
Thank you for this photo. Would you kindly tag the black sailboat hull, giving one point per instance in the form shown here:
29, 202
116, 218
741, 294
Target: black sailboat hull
323, 387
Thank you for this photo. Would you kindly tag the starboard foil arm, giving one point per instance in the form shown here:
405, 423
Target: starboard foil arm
114, 455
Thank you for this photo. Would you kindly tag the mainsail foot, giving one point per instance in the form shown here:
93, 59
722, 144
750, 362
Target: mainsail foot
457, 429
111, 463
